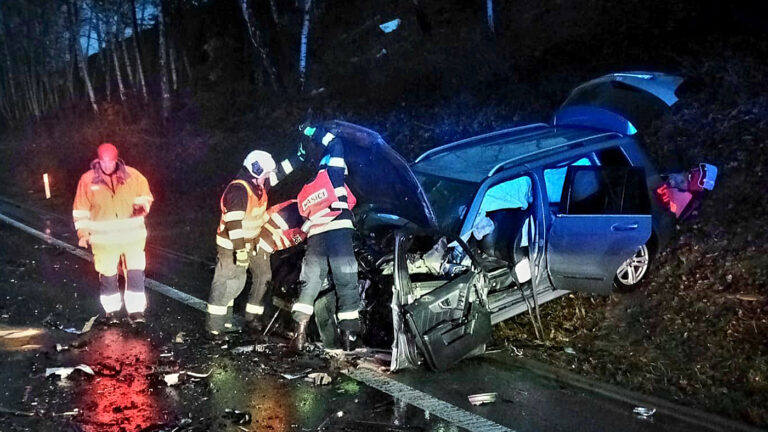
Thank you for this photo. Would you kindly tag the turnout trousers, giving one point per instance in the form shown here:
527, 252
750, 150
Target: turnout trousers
228, 282
106, 259
334, 251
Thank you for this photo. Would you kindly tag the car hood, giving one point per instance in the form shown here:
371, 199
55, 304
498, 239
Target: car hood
379, 177
624, 102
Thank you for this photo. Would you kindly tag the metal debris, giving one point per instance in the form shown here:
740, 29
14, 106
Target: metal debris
179, 339
482, 398
173, 379
297, 375
569, 350
643, 412
237, 417
65, 371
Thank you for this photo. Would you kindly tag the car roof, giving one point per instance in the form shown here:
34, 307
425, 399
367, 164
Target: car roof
477, 158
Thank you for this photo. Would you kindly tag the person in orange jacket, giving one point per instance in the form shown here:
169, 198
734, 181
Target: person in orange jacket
111, 202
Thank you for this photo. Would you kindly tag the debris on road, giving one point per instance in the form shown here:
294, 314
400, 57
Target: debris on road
319, 378
643, 412
48, 321
569, 350
516, 351
64, 372
237, 417
175, 378
296, 375
482, 398
259, 348
390, 26
179, 339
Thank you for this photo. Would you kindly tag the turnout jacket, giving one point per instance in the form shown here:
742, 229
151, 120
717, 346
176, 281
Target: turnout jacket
244, 207
111, 207
326, 201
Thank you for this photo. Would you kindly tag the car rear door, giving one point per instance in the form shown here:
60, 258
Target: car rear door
443, 326
603, 219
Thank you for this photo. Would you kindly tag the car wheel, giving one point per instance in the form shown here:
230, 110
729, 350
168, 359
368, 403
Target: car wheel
632, 271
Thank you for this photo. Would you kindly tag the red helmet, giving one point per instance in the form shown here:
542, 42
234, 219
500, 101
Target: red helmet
107, 151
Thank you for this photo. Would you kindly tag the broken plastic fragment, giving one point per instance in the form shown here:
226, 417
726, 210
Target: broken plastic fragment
179, 339
569, 350
318, 378
482, 398
298, 375
65, 371
390, 26
643, 412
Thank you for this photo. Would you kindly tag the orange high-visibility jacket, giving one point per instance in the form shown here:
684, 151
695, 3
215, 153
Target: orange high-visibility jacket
104, 205
238, 226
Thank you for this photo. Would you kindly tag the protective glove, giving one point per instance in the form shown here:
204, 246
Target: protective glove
301, 152
241, 258
307, 129
83, 238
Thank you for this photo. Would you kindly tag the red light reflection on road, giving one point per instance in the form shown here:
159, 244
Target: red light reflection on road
119, 398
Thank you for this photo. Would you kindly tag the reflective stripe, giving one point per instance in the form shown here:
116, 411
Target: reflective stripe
118, 224
286, 164
280, 221
111, 303
119, 237
85, 223
337, 224
348, 315
77, 214
327, 138
263, 245
254, 309
236, 234
340, 191
233, 215
231, 303
303, 308
216, 310
339, 205
319, 214
225, 243
273, 178
135, 302
144, 200
337, 162
273, 230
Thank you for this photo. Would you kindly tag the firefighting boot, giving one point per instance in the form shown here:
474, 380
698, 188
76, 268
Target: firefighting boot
350, 340
299, 336
255, 325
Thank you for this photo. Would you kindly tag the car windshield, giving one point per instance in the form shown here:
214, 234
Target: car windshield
449, 199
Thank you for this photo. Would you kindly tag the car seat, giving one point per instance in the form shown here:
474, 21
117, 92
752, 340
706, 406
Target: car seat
504, 242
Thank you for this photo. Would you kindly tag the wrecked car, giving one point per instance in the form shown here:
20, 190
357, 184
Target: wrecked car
480, 230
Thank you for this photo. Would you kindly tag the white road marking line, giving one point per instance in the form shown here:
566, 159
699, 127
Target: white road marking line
419, 399
154, 285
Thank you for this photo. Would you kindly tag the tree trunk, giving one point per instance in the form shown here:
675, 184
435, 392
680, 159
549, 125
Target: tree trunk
273, 9
127, 61
186, 64
172, 58
79, 56
489, 11
303, 50
118, 74
9, 66
102, 44
137, 52
258, 43
166, 102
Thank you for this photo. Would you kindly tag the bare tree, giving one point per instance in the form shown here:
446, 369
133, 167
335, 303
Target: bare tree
79, 55
304, 40
166, 101
137, 52
258, 44
118, 74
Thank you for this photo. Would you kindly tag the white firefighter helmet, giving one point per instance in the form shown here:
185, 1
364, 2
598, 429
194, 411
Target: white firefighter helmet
259, 163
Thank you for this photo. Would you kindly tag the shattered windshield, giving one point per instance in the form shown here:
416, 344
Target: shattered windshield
450, 199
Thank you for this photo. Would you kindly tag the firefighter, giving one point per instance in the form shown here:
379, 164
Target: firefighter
111, 202
243, 213
326, 203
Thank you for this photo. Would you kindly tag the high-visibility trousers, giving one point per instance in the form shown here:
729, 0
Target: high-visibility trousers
106, 259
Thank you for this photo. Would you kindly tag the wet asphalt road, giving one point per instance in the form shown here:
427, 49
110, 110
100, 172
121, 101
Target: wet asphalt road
41, 283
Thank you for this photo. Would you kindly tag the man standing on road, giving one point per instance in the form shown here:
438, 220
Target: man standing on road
243, 214
326, 204
111, 202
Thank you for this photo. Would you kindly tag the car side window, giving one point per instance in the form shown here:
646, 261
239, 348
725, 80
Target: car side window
612, 156
605, 190
554, 178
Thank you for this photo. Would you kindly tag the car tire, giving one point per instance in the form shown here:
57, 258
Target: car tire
634, 271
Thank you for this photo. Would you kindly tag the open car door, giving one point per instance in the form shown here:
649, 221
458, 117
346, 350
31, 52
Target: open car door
604, 218
443, 324
623, 102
